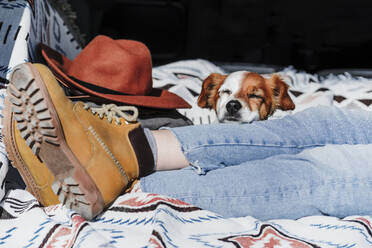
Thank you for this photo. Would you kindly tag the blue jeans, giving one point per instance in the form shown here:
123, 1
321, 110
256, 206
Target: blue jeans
315, 162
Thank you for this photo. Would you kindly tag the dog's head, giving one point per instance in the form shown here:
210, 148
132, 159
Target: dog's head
244, 96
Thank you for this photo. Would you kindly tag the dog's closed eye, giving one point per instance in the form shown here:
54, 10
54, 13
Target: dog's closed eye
255, 96
225, 91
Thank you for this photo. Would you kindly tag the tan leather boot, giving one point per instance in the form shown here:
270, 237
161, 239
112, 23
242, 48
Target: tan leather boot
92, 154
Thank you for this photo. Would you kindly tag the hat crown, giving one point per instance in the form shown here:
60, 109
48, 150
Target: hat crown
112, 70
120, 65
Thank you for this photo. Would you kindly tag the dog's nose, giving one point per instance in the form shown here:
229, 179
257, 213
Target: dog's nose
233, 107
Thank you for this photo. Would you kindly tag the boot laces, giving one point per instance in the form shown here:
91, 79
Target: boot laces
115, 112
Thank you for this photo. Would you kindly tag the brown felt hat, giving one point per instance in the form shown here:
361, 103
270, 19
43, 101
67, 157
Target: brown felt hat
115, 70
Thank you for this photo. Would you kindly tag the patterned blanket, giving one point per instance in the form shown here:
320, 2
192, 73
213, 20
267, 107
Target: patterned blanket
149, 220
140, 219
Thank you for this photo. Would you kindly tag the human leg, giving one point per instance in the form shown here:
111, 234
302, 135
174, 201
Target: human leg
333, 180
168, 151
32, 140
209, 147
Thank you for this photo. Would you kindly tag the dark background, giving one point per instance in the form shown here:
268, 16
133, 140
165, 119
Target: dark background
310, 35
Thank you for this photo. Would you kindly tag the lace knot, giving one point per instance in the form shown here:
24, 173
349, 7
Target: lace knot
112, 111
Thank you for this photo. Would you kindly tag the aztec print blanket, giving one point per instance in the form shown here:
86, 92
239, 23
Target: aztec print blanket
140, 219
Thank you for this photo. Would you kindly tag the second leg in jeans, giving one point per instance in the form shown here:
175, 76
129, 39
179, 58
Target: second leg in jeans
332, 180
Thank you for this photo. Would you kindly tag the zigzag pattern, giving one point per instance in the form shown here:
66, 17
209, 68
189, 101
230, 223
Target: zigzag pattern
13, 5
202, 238
190, 220
323, 242
164, 233
84, 236
171, 213
127, 222
116, 235
37, 233
5, 69
361, 231
7, 235
156, 240
19, 206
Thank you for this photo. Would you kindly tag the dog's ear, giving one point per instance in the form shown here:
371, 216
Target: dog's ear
209, 93
282, 100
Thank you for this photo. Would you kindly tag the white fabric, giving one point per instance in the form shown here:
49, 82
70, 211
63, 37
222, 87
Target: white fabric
148, 220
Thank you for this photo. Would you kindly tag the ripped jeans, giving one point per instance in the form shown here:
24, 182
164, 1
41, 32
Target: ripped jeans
315, 162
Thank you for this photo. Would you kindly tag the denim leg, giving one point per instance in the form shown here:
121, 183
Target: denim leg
209, 147
331, 180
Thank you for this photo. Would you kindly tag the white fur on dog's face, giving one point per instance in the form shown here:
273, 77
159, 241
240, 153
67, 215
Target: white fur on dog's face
244, 96
227, 93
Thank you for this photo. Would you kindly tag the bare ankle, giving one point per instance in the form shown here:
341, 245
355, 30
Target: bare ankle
169, 153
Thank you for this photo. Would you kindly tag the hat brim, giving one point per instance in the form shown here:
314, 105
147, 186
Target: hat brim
157, 98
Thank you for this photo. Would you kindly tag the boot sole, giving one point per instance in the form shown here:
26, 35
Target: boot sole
13, 154
39, 125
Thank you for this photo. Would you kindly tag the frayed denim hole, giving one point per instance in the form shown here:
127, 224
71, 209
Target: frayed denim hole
195, 165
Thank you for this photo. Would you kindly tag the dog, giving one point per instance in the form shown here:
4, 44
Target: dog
244, 96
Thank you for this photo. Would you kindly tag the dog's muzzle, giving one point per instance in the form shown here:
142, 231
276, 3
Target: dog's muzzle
233, 107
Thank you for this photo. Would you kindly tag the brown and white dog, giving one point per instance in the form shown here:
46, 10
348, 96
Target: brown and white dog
244, 96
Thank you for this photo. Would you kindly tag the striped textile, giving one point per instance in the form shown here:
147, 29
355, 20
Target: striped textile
23, 25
